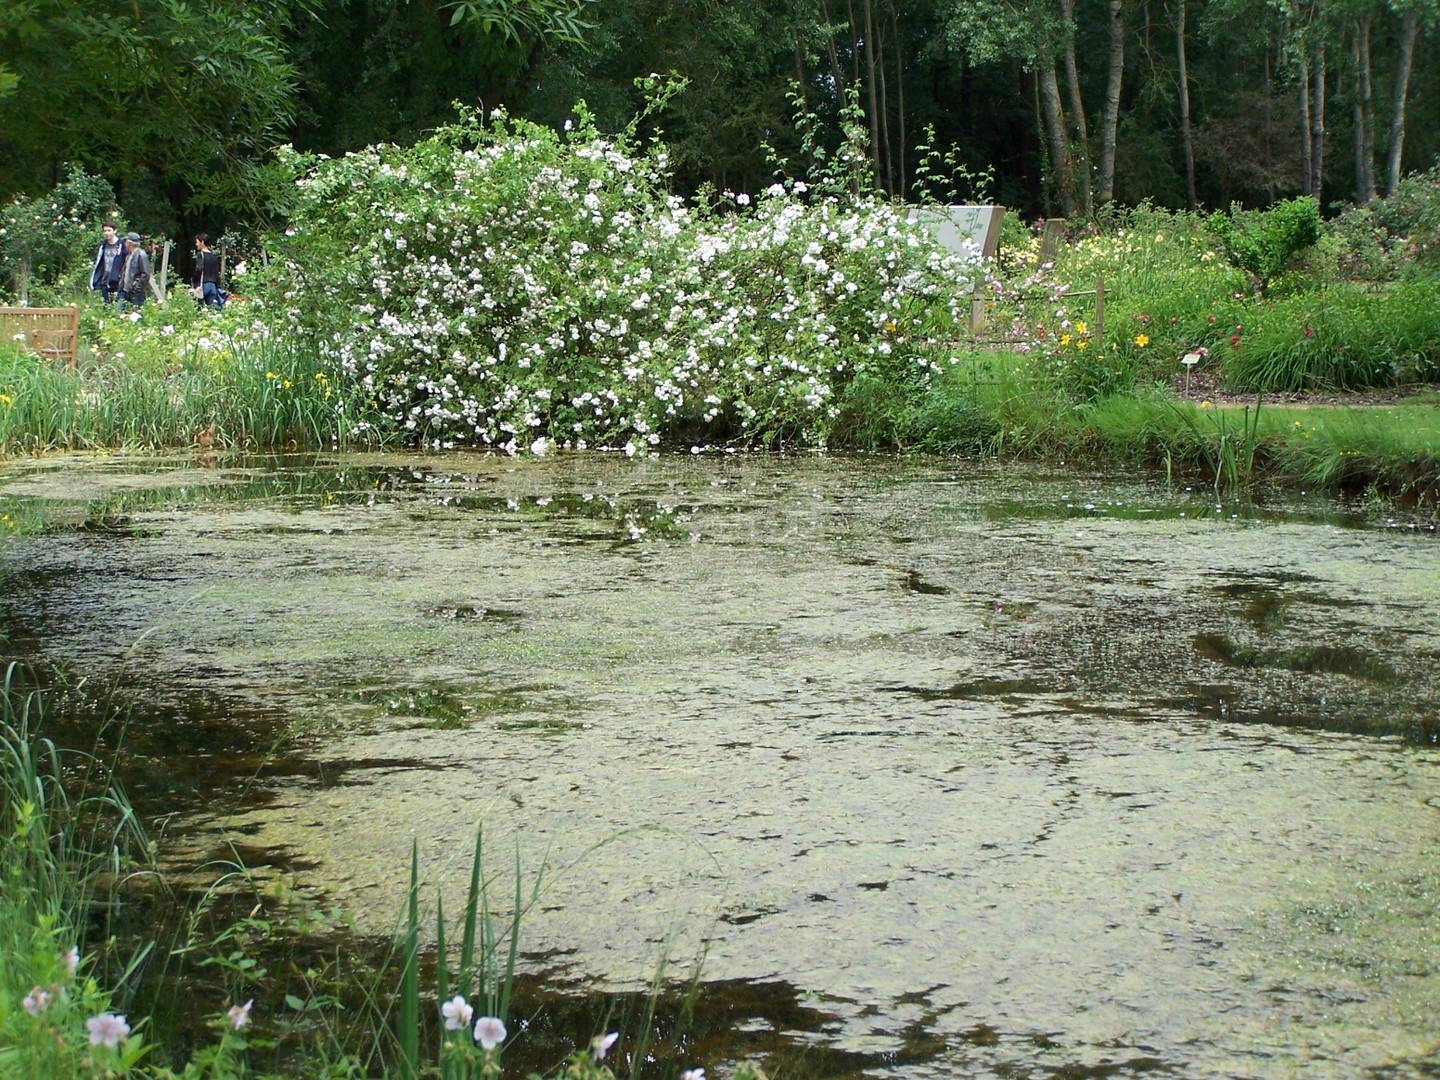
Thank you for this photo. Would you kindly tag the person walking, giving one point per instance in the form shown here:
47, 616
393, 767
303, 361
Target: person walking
135, 274
109, 260
205, 281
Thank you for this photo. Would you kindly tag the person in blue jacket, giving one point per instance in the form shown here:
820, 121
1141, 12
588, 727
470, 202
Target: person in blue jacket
109, 261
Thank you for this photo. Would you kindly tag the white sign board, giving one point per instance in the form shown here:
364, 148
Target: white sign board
953, 226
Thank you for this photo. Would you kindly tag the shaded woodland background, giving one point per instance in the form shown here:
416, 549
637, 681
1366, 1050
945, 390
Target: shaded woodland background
1069, 104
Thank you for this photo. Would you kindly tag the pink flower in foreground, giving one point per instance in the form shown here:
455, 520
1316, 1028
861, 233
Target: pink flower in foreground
240, 1014
457, 1013
37, 1001
601, 1044
489, 1032
107, 1028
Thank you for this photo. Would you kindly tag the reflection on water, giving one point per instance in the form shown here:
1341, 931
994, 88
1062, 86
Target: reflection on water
945, 770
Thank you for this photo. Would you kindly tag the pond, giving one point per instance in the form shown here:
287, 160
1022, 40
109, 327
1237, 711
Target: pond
944, 768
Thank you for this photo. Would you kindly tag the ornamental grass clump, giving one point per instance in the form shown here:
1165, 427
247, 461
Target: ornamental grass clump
504, 285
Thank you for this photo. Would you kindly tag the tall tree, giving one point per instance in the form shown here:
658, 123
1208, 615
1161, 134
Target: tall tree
1110, 117
1187, 137
1317, 105
1404, 58
1079, 127
1362, 111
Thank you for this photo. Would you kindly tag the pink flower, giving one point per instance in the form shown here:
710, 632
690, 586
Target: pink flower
457, 1013
490, 1032
37, 1001
693, 1074
107, 1028
601, 1044
240, 1014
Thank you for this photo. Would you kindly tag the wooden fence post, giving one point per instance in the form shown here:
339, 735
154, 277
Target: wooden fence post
1099, 309
157, 282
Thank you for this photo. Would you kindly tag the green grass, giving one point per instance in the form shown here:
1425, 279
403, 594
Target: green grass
223, 388
1002, 404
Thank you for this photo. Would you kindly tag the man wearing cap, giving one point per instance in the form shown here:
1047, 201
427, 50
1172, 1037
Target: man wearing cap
135, 276
105, 278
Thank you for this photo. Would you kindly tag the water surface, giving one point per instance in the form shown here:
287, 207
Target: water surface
947, 770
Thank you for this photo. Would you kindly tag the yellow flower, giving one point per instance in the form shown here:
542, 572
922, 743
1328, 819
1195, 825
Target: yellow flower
6, 399
1081, 345
286, 384
890, 326
1204, 404
1080, 328
270, 374
1064, 339
1141, 340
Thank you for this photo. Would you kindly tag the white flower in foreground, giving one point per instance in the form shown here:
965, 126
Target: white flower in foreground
240, 1014
489, 1032
540, 447
37, 1001
601, 1044
693, 1074
457, 1013
107, 1028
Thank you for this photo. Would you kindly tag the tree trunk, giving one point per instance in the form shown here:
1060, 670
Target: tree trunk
1269, 127
885, 121
1409, 27
1364, 136
900, 93
1317, 119
1077, 109
1062, 166
834, 57
1367, 112
854, 45
1110, 121
1187, 139
871, 93
1305, 147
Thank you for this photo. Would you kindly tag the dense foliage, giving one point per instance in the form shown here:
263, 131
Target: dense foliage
1073, 102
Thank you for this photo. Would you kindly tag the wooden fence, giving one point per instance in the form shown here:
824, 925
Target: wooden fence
51, 332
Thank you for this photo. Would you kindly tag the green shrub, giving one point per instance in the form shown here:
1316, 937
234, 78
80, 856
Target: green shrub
54, 236
1263, 243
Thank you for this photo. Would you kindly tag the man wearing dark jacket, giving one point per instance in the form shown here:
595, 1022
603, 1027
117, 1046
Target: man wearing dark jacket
135, 274
109, 261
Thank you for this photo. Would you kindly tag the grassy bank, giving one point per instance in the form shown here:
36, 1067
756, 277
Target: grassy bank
991, 404
174, 378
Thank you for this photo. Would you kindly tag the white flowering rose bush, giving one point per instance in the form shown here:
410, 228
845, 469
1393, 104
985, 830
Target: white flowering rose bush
505, 285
